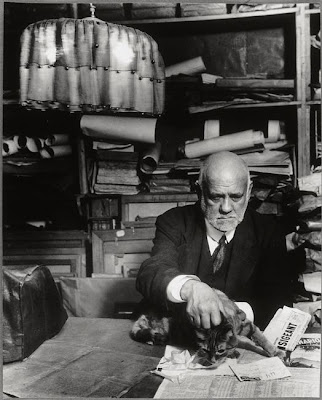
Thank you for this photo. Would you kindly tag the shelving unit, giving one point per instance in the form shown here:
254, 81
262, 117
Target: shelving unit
299, 18
184, 37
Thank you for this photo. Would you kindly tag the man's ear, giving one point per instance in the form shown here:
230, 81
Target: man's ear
198, 190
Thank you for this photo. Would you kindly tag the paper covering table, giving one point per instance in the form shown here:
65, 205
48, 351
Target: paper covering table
90, 357
95, 357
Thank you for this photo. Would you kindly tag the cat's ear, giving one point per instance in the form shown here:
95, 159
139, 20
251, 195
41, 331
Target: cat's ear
237, 321
241, 314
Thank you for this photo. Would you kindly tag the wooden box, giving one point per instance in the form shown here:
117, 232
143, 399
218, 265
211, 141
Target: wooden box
119, 253
63, 252
152, 205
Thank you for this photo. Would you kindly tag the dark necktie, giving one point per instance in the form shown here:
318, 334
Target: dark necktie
219, 254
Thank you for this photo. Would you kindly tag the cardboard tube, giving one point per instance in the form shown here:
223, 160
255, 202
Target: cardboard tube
34, 144
56, 151
189, 67
150, 159
20, 141
234, 141
9, 147
57, 139
119, 128
211, 128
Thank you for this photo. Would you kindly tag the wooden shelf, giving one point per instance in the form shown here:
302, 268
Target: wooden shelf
163, 197
314, 103
250, 105
221, 17
313, 11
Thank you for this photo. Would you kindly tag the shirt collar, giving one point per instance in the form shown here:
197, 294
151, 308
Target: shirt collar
215, 234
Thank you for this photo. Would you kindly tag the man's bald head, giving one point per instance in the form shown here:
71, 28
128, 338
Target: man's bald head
224, 190
223, 165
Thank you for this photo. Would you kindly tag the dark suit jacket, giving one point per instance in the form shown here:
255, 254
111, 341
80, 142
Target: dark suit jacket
257, 271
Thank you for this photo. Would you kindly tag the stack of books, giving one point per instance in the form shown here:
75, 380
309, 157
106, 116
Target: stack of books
115, 172
166, 179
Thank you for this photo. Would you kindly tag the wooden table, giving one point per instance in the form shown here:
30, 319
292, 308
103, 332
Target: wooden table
90, 357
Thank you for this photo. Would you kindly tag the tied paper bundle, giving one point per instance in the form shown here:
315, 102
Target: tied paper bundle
90, 65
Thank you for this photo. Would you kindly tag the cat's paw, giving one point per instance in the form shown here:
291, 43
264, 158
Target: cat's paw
280, 354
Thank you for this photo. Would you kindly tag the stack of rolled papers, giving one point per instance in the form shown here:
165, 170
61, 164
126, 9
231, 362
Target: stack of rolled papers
232, 142
193, 66
56, 145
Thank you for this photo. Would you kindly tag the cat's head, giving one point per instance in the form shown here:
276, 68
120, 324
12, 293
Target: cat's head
216, 344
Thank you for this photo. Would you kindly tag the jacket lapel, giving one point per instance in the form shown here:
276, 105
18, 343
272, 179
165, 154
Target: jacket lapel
244, 257
194, 239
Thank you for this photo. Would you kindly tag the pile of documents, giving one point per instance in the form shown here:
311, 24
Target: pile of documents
115, 172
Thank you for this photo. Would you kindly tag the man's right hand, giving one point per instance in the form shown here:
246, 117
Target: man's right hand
203, 304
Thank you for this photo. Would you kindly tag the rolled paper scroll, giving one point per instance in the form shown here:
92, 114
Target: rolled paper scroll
189, 67
211, 128
57, 139
119, 128
275, 145
310, 225
234, 141
56, 151
274, 131
150, 159
9, 147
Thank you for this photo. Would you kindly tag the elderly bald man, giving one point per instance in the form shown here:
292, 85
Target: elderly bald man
221, 243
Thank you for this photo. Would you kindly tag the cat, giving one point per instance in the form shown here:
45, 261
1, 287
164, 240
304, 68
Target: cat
211, 346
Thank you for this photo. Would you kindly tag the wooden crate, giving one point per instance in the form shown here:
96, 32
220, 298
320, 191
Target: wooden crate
153, 205
119, 252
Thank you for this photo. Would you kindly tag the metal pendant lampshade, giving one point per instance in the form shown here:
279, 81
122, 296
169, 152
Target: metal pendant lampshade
90, 65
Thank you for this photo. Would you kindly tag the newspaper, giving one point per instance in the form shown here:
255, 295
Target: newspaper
307, 353
177, 363
262, 370
304, 382
287, 327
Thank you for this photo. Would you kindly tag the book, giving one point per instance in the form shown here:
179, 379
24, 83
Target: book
101, 188
119, 177
209, 78
160, 180
170, 189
